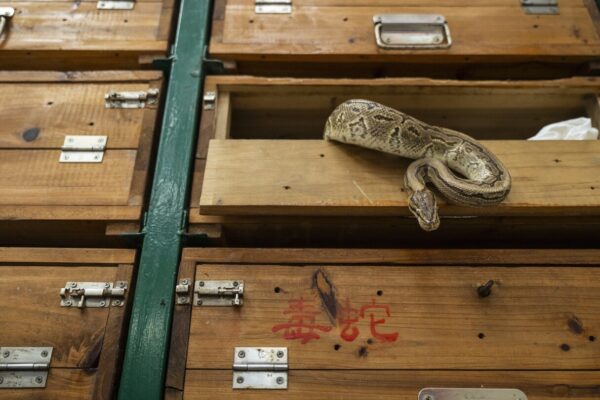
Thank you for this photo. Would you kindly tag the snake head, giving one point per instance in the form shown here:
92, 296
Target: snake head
423, 205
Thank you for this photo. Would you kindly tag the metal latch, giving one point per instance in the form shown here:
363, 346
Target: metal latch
469, 394
131, 99
83, 149
273, 6
209, 100
182, 291
24, 367
115, 5
219, 293
93, 294
6, 13
260, 368
540, 6
412, 31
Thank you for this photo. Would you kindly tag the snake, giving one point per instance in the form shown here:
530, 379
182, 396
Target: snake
464, 171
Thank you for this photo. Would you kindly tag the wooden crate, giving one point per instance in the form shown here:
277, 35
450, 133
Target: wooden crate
44, 201
387, 323
491, 39
269, 187
86, 343
63, 35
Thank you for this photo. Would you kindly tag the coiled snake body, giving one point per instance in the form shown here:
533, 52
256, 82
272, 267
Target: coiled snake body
440, 153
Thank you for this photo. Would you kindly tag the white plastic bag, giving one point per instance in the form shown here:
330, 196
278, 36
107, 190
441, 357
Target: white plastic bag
573, 129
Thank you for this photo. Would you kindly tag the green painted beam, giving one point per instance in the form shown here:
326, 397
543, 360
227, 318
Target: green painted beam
146, 353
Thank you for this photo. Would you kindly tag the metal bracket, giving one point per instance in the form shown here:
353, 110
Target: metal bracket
83, 149
6, 13
471, 394
540, 7
219, 293
209, 100
93, 294
115, 5
131, 99
260, 368
412, 31
182, 291
24, 367
273, 6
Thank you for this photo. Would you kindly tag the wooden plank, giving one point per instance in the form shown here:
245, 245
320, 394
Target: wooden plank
286, 177
536, 317
79, 76
394, 256
479, 33
62, 384
43, 26
397, 385
32, 314
405, 3
37, 115
37, 178
66, 256
80, 213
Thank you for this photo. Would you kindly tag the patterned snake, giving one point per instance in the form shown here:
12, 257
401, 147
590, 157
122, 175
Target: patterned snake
441, 154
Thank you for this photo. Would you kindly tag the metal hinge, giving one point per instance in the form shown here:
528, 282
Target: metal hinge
219, 293
412, 31
93, 294
182, 291
6, 13
24, 367
115, 5
83, 149
260, 368
468, 394
540, 6
131, 99
209, 100
273, 6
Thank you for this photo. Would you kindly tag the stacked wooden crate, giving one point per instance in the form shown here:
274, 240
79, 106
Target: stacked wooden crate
79, 111
465, 309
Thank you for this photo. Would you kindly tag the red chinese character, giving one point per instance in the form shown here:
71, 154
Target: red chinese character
301, 324
348, 317
382, 337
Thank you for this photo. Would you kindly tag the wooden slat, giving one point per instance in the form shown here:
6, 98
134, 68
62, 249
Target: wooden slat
37, 178
32, 314
501, 33
66, 256
78, 76
406, 3
535, 318
396, 385
394, 256
59, 109
62, 384
256, 177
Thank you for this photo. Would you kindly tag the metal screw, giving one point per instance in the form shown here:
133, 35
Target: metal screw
241, 354
486, 289
428, 397
201, 283
280, 380
71, 140
66, 157
240, 379
121, 284
184, 282
39, 379
44, 353
116, 302
107, 285
6, 354
199, 302
235, 283
102, 303
280, 354
73, 284
96, 157
68, 303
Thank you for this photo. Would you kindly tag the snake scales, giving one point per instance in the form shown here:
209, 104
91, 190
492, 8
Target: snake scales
440, 155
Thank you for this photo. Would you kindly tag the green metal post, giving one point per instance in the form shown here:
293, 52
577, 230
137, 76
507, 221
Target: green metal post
146, 352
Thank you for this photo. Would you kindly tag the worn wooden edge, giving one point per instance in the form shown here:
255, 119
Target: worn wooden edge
79, 76
392, 256
113, 344
66, 255
239, 82
173, 394
180, 330
70, 213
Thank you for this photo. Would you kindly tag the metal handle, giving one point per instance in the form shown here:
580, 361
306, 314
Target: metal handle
412, 31
5, 14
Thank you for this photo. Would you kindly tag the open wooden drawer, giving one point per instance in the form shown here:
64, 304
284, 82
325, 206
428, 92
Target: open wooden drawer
76, 350
72, 161
89, 34
384, 324
268, 176
484, 39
